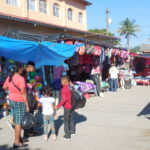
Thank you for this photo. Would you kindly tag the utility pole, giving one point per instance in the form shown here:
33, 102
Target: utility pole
107, 20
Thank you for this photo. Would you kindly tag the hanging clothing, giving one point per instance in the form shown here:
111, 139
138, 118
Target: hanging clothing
102, 56
57, 72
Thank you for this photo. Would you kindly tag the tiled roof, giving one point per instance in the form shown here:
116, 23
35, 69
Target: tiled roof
87, 2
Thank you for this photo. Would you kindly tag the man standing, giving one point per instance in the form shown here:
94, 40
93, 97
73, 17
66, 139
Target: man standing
113, 73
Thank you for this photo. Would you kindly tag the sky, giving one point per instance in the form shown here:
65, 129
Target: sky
138, 10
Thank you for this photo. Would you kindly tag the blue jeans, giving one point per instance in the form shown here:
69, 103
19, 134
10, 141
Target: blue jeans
113, 84
48, 119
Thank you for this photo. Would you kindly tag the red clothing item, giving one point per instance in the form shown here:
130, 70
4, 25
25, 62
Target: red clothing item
66, 98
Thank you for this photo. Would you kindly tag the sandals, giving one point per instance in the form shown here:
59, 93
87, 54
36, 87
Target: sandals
19, 146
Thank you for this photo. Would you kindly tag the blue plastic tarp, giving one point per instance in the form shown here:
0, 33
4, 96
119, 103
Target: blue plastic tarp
43, 53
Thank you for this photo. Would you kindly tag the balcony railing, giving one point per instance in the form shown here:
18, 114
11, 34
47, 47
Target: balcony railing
43, 7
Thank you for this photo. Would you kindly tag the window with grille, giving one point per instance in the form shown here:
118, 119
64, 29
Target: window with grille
56, 10
70, 14
31, 4
13, 2
80, 17
43, 6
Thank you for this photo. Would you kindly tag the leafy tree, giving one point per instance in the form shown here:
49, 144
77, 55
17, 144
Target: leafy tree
128, 29
104, 32
101, 31
135, 49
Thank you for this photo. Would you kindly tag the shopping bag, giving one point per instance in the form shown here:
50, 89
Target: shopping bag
28, 121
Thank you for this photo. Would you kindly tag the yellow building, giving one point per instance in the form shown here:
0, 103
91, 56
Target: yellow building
47, 17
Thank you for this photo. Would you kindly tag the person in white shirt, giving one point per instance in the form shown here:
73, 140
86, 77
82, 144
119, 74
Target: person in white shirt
113, 73
48, 112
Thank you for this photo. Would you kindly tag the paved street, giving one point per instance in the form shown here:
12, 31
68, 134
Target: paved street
116, 122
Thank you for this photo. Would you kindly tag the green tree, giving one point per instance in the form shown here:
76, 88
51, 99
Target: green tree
128, 29
104, 32
135, 49
101, 31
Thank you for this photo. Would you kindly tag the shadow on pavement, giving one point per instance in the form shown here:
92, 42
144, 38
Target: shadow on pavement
58, 122
5, 147
77, 117
145, 112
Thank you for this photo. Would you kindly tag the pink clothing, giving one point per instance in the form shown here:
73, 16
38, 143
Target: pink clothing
57, 72
121, 75
95, 70
15, 94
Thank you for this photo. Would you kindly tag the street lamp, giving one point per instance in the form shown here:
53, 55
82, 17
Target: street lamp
108, 20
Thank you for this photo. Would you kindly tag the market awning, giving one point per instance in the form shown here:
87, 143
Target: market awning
41, 53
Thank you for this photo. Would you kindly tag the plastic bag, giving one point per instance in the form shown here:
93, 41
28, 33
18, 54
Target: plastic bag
28, 121
78, 99
31, 99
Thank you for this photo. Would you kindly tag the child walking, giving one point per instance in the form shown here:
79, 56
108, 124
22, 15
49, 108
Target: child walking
69, 126
48, 112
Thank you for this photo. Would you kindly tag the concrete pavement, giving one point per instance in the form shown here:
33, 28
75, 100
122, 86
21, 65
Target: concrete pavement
109, 123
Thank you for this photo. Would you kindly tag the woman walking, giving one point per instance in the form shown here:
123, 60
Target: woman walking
16, 85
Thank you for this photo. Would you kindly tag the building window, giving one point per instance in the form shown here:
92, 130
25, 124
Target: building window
80, 17
31, 4
56, 10
70, 14
43, 6
13, 2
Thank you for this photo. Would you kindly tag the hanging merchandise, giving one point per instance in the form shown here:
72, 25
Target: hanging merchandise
109, 53
87, 68
102, 56
90, 49
74, 59
88, 59
56, 84
119, 53
106, 52
66, 68
116, 52
81, 50
69, 42
80, 69
123, 53
97, 50
126, 54
80, 59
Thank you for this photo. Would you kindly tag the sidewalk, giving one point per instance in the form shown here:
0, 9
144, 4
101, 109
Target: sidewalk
109, 123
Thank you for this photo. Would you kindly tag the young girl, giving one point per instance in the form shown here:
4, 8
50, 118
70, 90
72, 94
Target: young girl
48, 112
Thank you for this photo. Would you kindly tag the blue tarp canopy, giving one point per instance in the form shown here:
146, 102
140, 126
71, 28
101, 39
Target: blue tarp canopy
43, 53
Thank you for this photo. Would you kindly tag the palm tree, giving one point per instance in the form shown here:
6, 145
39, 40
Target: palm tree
128, 29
